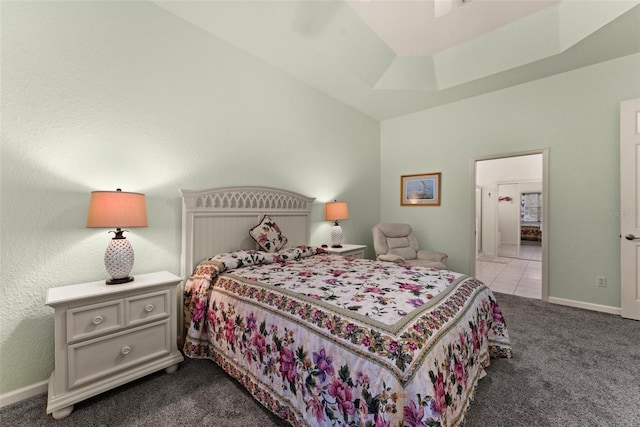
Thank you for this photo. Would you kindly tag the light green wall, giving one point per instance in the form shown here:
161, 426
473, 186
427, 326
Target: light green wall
99, 95
575, 115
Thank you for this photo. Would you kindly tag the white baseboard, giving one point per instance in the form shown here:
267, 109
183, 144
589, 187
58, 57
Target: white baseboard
489, 254
23, 393
586, 305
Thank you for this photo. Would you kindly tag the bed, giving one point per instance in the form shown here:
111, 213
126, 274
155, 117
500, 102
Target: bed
323, 340
532, 233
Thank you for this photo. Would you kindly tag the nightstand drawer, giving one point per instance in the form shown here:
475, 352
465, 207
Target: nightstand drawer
347, 250
144, 308
92, 320
359, 254
100, 357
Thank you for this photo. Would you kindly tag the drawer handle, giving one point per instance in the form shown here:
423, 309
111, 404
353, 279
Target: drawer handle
149, 308
125, 350
97, 320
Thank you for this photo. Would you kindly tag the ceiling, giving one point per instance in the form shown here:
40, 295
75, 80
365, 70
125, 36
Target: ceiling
420, 28
388, 58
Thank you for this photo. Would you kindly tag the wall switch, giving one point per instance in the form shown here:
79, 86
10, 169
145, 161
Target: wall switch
601, 281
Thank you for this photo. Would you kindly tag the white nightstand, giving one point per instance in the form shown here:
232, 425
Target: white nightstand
108, 335
353, 251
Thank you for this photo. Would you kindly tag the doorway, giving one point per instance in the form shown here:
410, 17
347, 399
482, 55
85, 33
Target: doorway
510, 222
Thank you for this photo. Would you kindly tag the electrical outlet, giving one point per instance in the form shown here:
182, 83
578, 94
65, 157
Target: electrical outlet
601, 281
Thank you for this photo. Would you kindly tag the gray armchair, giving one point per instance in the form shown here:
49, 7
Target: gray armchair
398, 243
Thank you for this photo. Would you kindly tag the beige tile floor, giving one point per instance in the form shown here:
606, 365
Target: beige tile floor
526, 252
516, 276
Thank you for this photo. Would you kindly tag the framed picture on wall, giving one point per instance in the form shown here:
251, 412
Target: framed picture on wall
420, 190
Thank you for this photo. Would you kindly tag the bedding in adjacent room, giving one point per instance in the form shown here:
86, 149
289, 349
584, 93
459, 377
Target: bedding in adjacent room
531, 233
324, 340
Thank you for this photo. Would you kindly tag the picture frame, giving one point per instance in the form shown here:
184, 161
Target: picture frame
420, 189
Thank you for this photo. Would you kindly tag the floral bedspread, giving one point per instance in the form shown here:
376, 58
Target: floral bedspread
323, 340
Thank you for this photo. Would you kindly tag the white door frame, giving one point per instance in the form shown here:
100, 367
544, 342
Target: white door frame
498, 234
629, 218
545, 212
478, 220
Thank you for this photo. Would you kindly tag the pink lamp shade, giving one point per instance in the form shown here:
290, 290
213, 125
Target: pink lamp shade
117, 209
336, 211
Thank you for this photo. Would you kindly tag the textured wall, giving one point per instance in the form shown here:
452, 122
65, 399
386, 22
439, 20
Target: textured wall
576, 115
99, 95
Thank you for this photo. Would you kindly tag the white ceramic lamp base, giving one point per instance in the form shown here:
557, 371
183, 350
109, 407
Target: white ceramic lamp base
118, 260
336, 236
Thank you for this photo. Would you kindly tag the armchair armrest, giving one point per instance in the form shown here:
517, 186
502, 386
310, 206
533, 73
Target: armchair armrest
390, 258
433, 256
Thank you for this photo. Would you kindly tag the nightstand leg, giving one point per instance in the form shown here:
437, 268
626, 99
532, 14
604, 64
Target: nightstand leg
171, 369
62, 413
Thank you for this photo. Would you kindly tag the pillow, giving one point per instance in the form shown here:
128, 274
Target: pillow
267, 235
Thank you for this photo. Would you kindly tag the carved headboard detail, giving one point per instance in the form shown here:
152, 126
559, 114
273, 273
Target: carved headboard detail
218, 220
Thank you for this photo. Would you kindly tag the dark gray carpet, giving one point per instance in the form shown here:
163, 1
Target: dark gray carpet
571, 367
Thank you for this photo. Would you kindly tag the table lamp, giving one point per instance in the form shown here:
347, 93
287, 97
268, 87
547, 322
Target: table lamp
117, 209
336, 211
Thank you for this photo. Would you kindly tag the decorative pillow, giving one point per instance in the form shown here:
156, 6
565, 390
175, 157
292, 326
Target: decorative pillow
267, 234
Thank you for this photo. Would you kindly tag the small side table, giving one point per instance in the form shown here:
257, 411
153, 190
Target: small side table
353, 251
109, 335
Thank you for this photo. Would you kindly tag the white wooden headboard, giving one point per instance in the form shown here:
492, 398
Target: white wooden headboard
218, 220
